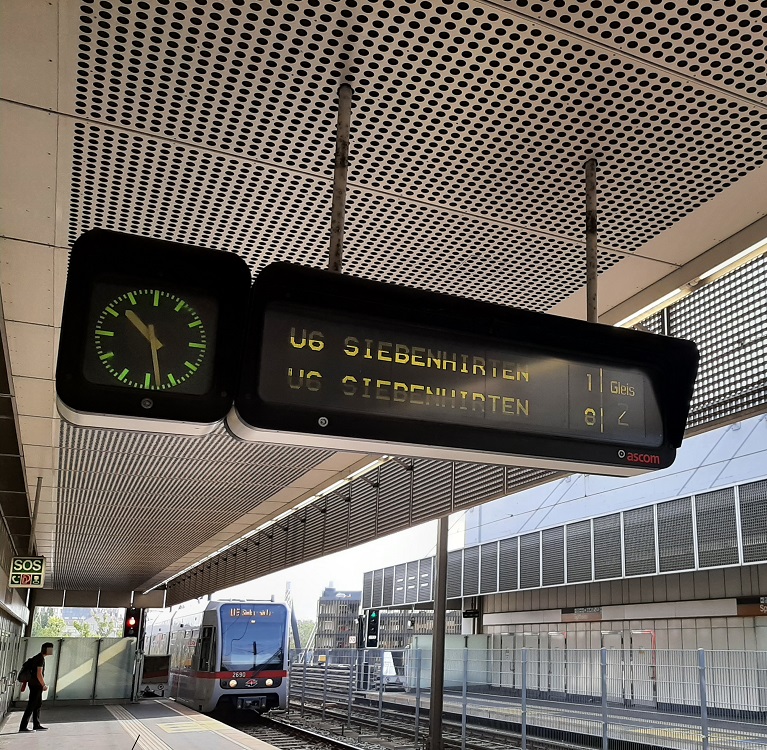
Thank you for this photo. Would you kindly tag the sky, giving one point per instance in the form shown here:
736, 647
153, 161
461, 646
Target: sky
345, 569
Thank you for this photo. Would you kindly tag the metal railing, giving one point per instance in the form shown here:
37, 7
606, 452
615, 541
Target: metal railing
622, 697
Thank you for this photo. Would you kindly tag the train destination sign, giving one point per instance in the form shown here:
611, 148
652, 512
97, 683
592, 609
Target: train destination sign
349, 363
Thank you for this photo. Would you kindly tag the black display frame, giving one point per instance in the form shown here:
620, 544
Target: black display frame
670, 364
102, 256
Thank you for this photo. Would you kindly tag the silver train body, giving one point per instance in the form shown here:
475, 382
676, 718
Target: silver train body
224, 654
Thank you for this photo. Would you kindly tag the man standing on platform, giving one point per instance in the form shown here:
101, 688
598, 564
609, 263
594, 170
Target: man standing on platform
37, 687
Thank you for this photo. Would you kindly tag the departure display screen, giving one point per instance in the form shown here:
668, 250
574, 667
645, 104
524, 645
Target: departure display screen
366, 366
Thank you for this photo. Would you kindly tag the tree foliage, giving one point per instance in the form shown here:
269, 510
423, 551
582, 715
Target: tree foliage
48, 625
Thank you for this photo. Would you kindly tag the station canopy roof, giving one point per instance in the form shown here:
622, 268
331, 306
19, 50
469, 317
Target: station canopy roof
213, 123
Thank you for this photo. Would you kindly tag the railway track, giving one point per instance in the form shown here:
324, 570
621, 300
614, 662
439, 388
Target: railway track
286, 736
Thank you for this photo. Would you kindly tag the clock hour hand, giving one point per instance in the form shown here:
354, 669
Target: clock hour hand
142, 328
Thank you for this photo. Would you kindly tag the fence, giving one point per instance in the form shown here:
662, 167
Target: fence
611, 697
100, 669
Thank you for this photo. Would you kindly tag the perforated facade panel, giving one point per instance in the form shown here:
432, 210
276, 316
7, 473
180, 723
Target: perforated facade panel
454, 573
579, 552
676, 543
471, 571
489, 568
508, 564
553, 556
377, 598
530, 561
400, 580
753, 520
638, 541
716, 526
608, 550
425, 577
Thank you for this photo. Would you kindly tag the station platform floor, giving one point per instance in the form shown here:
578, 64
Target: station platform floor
149, 725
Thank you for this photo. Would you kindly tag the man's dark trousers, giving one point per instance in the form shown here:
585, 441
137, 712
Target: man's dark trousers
33, 706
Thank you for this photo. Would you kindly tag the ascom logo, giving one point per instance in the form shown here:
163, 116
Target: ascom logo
642, 458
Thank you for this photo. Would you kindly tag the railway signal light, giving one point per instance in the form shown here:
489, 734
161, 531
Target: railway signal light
132, 623
371, 641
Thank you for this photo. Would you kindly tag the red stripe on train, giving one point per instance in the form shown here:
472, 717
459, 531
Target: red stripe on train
228, 675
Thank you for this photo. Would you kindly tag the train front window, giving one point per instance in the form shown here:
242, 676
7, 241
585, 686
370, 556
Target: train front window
252, 637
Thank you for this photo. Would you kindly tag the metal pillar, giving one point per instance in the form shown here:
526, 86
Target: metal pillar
703, 698
417, 697
523, 719
340, 172
465, 696
436, 697
591, 241
605, 718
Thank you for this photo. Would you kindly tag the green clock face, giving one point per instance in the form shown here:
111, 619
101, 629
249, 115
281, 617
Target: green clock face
152, 339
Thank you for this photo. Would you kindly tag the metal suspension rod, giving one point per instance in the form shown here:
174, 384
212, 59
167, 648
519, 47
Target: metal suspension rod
591, 241
340, 172
35, 511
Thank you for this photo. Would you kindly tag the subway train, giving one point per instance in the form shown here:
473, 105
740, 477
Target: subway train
224, 654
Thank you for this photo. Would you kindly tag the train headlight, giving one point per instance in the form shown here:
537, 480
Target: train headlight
269, 683
232, 683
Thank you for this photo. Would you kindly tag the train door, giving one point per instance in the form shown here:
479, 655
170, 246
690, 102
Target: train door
612, 640
204, 663
557, 665
642, 677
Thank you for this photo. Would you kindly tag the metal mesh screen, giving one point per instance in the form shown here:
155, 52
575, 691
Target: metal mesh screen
388, 587
454, 573
411, 582
553, 541
508, 564
471, 571
717, 528
676, 542
425, 577
607, 547
399, 584
579, 552
489, 568
367, 590
639, 541
753, 520
377, 587
530, 561
730, 335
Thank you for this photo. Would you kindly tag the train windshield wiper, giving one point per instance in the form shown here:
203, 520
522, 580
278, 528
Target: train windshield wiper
278, 654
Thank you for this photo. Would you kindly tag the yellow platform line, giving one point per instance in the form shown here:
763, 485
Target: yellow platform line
147, 741
228, 733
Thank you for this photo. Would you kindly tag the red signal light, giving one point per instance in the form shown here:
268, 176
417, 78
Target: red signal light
131, 622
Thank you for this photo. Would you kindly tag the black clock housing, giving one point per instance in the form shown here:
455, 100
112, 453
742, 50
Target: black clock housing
150, 334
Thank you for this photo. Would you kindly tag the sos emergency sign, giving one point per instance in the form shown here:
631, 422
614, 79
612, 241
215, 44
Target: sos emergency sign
27, 573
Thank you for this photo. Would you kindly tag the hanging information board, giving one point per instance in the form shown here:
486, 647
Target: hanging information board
337, 361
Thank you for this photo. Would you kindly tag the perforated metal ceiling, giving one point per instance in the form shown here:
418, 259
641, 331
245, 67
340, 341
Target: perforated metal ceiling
213, 123
471, 125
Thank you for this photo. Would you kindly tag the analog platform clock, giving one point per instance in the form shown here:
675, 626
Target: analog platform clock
150, 334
